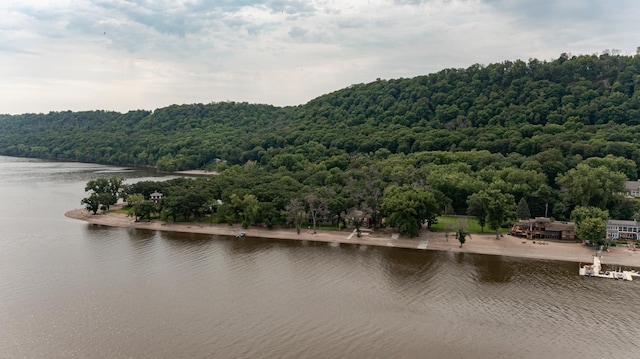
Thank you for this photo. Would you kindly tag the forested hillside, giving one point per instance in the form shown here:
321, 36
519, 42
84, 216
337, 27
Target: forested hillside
526, 129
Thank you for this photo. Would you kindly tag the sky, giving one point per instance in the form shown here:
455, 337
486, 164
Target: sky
121, 55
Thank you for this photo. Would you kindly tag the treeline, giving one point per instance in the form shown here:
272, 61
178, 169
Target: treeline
171, 138
534, 130
583, 105
400, 190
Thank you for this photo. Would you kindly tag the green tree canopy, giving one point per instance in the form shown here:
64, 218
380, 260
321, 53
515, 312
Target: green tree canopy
592, 230
522, 212
461, 235
495, 207
477, 203
592, 186
103, 193
408, 207
580, 213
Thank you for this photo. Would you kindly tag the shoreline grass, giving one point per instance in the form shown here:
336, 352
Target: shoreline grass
452, 223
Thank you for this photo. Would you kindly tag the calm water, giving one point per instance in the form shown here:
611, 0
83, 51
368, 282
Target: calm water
70, 289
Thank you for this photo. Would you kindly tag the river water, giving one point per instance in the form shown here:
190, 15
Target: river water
71, 289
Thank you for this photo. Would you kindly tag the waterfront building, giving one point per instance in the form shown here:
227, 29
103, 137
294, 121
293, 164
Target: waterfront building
619, 229
544, 228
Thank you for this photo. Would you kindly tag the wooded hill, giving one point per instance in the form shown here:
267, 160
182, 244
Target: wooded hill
517, 126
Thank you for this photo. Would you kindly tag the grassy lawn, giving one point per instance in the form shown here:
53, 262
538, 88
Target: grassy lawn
471, 224
123, 210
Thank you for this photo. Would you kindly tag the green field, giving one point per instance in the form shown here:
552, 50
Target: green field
470, 223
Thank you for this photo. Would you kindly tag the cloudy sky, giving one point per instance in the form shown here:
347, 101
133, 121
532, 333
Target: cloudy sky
143, 54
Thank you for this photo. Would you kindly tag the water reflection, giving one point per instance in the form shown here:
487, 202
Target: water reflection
140, 235
141, 241
96, 231
405, 267
251, 245
459, 257
491, 269
184, 238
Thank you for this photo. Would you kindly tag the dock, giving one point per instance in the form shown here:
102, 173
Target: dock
595, 270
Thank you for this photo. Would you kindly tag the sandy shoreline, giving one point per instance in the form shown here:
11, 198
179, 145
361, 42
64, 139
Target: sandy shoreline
480, 244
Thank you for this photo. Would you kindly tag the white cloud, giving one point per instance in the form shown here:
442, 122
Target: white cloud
124, 54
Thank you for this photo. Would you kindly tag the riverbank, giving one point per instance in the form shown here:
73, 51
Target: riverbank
196, 173
480, 244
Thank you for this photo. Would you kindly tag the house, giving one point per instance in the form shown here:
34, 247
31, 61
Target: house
632, 189
618, 229
544, 228
155, 197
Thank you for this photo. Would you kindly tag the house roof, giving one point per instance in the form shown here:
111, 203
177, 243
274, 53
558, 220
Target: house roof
560, 226
549, 225
156, 194
619, 222
632, 185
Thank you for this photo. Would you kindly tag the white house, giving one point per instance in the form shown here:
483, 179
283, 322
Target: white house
618, 229
155, 197
632, 189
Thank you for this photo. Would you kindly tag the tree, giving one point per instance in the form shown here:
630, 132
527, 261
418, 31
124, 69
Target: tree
170, 206
455, 182
592, 230
461, 235
494, 207
615, 164
134, 199
269, 214
317, 206
295, 212
91, 203
476, 207
624, 208
518, 182
373, 197
247, 206
592, 186
522, 212
111, 186
580, 213
356, 216
365, 189
407, 207
140, 207
590, 223
104, 191
552, 163
145, 209
500, 209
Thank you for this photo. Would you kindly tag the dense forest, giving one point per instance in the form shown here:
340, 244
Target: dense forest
554, 134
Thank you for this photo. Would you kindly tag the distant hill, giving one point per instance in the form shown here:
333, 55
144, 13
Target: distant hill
586, 106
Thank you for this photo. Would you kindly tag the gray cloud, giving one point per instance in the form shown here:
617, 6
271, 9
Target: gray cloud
148, 53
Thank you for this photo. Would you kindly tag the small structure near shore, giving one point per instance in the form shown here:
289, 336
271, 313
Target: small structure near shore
595, 270
155, 197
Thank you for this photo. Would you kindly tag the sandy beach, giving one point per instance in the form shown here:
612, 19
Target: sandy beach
480, 244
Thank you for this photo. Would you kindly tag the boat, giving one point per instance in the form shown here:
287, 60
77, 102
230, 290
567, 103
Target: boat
240, 235
595, 270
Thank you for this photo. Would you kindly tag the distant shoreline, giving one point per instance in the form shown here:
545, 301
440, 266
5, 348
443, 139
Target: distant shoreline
478, 244
196, 173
